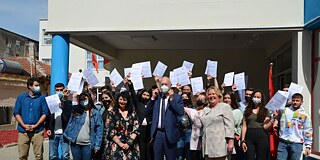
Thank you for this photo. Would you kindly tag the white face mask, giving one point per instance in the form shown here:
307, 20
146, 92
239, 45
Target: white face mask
164, 89
256, 101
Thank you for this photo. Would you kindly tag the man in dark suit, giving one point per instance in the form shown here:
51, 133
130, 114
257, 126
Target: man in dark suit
166, 106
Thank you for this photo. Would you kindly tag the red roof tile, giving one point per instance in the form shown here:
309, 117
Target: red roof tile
41, 68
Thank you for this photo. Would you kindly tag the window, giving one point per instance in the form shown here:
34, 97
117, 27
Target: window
46, 61
47, 38
17, 43
282, 72
99, 59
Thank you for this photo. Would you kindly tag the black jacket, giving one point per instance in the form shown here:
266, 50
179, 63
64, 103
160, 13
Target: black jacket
139, 106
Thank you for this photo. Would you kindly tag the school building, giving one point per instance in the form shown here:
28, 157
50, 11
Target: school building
242, 35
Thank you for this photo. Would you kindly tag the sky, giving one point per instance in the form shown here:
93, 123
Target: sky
22, 16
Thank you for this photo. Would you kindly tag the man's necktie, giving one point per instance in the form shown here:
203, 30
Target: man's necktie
163, 112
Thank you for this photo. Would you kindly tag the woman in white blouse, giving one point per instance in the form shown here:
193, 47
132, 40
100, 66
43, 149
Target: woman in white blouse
196, 139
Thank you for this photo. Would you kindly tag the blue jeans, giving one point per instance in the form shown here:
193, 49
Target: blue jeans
291, 150
81, 152
53, 147
183, 145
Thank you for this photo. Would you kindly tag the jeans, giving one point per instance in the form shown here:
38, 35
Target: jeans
291, 150
53, 147
81, 152
183, 145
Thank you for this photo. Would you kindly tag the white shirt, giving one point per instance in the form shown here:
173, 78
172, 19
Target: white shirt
57, 123
160, 110
144, 122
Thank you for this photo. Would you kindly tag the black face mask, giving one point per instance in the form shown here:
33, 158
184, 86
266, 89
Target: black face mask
200, 103
106, 103
144, 101
186, 101
248, 99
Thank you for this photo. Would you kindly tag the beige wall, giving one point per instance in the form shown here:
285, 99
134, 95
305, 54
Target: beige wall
316, 93
11, 89
301, 64
250, 61
128, 15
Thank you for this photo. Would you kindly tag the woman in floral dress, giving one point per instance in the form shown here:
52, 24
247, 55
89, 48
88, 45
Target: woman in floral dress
122, 131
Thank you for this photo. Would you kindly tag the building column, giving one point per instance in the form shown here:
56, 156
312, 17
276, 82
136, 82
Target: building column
301, 64
60, 60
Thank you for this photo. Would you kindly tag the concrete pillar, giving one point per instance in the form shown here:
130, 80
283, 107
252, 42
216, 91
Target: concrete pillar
301, 64
60, 60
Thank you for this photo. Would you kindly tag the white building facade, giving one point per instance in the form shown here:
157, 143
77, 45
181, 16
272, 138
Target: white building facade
242, 35
79, 58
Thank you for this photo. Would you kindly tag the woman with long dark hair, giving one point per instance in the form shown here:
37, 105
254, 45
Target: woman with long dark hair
107, 102
140, 100
123, 129
230, 98
256, 123
85, 128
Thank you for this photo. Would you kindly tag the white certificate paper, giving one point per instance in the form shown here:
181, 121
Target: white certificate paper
239, 81
278, 101
115, 77
228, 79
197, 85
53, 102
211, 68
127, 71
145, 68
90, 77
294, 88
187, 65
75, 82
136, 77
160, 69
181, 74
173, 79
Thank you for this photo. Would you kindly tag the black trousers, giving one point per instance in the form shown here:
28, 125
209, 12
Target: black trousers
257, 144
196, 155
146, 150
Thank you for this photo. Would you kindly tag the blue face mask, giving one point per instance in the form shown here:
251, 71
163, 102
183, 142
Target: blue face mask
84, 103
60, 94
36, 89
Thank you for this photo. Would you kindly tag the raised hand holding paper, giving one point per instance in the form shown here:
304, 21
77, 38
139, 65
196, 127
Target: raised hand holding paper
228, 79
90, 77
115, 77
53, 102
160, 69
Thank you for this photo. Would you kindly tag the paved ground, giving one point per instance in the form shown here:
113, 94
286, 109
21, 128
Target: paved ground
11, 153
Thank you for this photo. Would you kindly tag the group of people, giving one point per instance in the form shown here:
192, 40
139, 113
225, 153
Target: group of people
160, 122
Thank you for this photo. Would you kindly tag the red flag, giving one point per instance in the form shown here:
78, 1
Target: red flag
95, 61
274, 138
271, 88
106, 60
274, 142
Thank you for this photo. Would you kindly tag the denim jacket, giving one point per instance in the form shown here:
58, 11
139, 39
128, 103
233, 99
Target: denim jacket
96, 128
